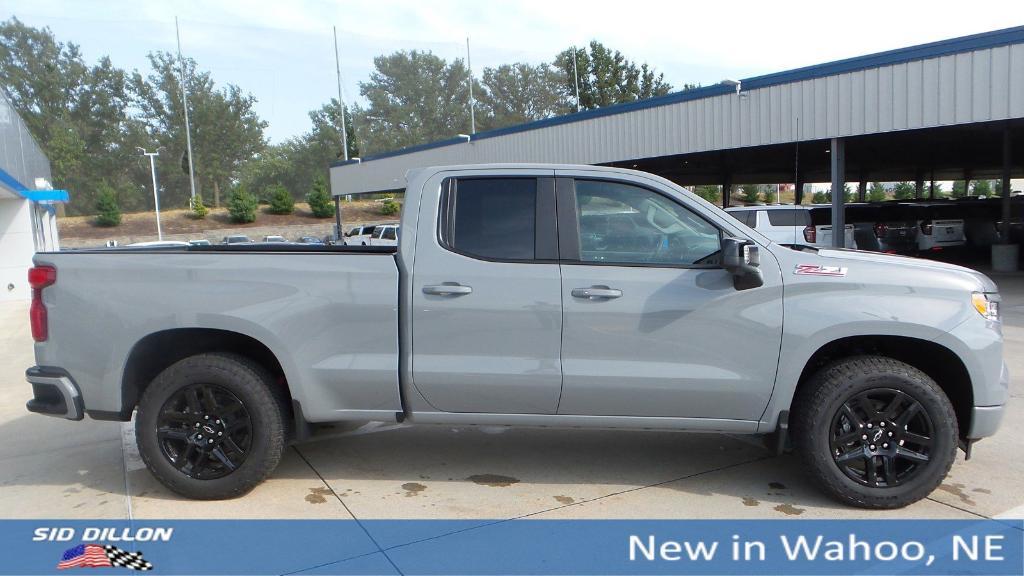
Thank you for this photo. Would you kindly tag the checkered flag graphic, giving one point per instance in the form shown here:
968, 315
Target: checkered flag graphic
124, 559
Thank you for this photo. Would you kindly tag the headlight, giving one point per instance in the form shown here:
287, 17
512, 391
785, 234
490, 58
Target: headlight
985, 306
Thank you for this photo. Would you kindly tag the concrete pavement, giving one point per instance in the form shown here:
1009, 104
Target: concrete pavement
51, 468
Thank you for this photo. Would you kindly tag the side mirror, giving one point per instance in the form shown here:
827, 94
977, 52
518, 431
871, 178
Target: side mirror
742, 259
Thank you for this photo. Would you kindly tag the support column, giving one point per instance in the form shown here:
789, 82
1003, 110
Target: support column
798, 190
918, 186
338, 232
1005, 255
862, 191
838, 161
726, 190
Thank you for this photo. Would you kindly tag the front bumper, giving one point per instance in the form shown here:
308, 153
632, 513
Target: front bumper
985, 420
54, 393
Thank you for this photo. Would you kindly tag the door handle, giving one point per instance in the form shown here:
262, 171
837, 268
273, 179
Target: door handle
596, 293
452, 289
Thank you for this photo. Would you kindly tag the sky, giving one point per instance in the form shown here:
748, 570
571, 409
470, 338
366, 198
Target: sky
282, 51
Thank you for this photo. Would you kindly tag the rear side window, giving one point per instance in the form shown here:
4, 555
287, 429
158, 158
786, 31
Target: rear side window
389, 234
744, 216
788, 217
492, 218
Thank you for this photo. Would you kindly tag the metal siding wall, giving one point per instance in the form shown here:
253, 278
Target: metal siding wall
961, 88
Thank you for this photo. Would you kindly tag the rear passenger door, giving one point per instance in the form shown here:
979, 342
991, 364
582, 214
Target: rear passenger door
487, 311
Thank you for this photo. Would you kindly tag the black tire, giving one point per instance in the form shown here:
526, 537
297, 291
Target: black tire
229, 380
843, 447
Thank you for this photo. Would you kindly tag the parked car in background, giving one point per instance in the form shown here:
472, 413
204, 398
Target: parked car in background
941, 225
359, 235
310, 240
274, 239
384, 235
236, 239
199, 242
788, 224
157, 244
896, 228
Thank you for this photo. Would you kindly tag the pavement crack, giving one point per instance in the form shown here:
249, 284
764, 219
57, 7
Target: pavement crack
349, 510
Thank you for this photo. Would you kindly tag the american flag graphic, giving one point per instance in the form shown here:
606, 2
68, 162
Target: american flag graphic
102, 556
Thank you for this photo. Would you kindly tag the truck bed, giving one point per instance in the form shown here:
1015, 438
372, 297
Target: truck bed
329, 314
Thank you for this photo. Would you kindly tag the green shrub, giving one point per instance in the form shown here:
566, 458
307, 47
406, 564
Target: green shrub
242, 205
108, 212
198, 209
390, 207
750, 193
319, 199
281, 200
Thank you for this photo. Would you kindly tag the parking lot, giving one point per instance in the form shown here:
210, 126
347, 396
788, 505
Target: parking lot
51, 468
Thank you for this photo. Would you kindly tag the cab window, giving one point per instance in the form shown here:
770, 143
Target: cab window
625, 224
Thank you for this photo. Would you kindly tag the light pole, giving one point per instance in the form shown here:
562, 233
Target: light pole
156, 195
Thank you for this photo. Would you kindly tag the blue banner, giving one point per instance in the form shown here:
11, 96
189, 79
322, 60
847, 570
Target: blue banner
506, 547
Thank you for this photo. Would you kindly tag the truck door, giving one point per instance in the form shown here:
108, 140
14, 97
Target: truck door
486, 293
652, 324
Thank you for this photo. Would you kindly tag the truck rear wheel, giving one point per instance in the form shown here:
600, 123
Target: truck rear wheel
875, 432
211, 426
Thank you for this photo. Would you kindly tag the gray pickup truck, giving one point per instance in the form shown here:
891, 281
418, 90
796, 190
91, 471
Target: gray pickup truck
528, 295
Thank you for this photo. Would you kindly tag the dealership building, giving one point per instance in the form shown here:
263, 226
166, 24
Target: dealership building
28, 204
948, 110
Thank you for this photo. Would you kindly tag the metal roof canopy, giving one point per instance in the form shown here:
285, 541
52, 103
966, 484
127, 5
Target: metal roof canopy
906, 100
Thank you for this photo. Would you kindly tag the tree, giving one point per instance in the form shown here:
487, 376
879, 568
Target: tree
904, 191
242, 205
226, 130
820, 197
769, 195
412, 98
108, 213
936, 187
319, 199
750, 193
390, 207
606, 77
281, 200
982, 188
711, 193
197, 210
78, 113
876, 192
959, 189
518, 93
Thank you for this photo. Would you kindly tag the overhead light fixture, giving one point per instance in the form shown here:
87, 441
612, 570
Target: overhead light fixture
734, 83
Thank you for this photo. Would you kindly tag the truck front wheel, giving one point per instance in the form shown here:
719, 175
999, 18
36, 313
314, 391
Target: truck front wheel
211, 426
874, 432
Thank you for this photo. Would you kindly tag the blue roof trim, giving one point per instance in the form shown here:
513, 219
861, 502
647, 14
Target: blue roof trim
33, 195
980, 41
47, 195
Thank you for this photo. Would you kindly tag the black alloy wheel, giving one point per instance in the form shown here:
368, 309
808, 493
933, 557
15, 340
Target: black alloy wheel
204, 431
881, 437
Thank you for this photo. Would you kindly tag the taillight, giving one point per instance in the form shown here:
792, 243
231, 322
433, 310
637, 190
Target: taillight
926, 227
810, 234
880, 230
40, 277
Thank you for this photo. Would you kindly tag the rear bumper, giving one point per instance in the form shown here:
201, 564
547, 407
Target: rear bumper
54, 393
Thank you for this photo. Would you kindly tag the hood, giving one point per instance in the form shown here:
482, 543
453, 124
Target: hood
907, 262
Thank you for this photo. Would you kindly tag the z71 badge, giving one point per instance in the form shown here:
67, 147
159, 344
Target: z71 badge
817, 270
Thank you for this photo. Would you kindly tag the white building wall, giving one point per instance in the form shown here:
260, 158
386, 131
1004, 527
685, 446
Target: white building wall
16, 248
973, 86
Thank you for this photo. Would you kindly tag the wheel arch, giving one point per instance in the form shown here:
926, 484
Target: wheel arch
155, 352
937, 361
